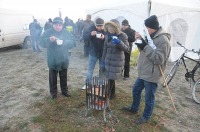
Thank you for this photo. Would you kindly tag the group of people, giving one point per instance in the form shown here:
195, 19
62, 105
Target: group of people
36, 30
111, 46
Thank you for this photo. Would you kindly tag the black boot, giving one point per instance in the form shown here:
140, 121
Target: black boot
66, 94
112, 89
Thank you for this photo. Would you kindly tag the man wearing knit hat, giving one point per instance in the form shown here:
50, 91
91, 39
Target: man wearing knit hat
154, 53
126, 28
95, 35
57, 41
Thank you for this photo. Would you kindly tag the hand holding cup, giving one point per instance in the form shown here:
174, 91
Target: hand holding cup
98, 35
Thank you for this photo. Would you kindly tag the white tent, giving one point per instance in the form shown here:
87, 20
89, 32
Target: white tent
181, 18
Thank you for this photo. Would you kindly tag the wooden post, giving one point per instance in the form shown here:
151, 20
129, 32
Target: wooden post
161, 71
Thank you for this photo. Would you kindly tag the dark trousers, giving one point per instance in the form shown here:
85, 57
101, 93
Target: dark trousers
86, 47
127, 64
53, 81
111, 84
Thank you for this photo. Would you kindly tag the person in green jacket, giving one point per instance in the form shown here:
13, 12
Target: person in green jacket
57, 41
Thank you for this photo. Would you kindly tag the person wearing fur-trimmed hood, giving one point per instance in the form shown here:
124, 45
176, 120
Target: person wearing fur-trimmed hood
116, 43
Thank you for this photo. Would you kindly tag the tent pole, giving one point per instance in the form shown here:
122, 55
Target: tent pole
149, 8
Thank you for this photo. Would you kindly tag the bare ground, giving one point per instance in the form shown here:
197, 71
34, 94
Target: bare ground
24, 81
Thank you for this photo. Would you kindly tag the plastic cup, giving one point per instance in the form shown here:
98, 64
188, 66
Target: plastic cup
114, 37
98, 35
138, 41
59, 42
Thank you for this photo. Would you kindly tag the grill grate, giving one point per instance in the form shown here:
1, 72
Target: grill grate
97, 95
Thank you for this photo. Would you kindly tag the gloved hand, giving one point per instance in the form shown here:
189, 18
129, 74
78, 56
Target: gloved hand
115, 40
142, 45
151, 44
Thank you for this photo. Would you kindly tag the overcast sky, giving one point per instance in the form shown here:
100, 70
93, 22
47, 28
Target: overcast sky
74, 9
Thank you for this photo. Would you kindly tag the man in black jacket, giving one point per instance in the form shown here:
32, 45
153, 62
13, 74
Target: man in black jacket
95, 35
131, 38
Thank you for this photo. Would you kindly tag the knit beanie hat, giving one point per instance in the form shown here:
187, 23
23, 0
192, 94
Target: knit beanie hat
57, 20
125, 22
99, 22
152, 22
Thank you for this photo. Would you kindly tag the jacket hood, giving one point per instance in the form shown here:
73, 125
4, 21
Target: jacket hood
112, 25
161, 31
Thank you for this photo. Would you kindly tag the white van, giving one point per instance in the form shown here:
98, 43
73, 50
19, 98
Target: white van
14, 28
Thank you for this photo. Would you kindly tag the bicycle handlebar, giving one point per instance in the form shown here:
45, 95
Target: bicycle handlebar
198, 52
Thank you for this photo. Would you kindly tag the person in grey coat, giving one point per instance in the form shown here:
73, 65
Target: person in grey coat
116, 43
154, 53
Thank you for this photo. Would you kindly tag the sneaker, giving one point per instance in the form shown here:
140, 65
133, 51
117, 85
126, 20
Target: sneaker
141, 120
84, 87
128, 109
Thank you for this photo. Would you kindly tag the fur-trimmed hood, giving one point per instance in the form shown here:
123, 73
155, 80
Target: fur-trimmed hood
112, 25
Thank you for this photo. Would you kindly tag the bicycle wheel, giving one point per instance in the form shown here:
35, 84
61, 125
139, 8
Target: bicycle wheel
196, 92
196, 74
172, 72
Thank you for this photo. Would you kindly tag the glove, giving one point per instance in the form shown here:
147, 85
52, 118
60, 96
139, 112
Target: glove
142, 45
151, 44
149, 40
115, 40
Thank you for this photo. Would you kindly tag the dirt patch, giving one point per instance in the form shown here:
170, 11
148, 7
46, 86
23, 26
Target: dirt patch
24, 82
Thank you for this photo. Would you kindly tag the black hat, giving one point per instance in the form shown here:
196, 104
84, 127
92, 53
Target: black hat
99, 22
152, 22
57, 20
125, 22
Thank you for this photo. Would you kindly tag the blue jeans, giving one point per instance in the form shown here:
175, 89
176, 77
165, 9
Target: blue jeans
150, 90
35, 43
92, 63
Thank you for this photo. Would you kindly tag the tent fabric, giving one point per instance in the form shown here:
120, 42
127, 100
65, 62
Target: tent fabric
181, 18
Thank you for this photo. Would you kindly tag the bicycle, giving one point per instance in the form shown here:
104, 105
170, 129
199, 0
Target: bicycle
193, 75
196, 91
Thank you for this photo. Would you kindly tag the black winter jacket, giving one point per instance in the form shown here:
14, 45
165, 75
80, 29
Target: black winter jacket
131, 37
96, 44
